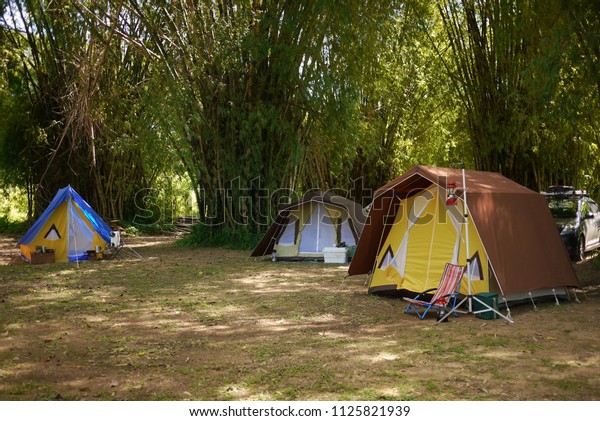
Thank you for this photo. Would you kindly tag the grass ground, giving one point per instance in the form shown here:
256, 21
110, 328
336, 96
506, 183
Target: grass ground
212, 324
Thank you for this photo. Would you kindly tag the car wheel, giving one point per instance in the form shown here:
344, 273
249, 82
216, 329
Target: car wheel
581, 249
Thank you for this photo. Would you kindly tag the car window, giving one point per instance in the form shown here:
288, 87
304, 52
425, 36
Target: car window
563, 208
585, 208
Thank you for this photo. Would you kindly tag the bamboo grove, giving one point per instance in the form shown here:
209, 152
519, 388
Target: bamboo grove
249, 103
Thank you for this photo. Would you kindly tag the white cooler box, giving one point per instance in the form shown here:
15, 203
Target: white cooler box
335, 254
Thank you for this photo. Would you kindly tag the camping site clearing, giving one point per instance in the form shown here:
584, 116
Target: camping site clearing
213, 324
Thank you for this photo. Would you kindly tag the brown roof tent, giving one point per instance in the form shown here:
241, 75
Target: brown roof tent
411, 232
318, 220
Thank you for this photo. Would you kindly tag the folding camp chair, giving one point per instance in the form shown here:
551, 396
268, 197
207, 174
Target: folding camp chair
446, 292
116, 246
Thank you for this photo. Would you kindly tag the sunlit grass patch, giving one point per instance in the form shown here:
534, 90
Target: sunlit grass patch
214, 325
25, 389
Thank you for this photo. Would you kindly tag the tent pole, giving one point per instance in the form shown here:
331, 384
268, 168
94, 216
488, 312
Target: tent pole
470, 297
466, 220
71, 229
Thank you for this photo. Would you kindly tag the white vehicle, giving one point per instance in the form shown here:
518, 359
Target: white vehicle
577, 218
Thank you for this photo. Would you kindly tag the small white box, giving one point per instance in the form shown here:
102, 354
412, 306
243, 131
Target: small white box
335, 254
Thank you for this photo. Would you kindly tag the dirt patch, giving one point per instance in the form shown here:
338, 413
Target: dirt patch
213, 324
9, 251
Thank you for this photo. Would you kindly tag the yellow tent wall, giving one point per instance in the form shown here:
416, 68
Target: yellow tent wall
424, 237
59, 221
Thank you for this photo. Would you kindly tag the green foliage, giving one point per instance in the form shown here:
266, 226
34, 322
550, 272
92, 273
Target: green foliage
236, 238
13, 211
526, 115
13, 204
242, 103
131, 229
16, 127
407, 108
259, 88
8, 226
160, 206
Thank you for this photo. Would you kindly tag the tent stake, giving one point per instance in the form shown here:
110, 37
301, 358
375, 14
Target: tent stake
555, 297
533, 302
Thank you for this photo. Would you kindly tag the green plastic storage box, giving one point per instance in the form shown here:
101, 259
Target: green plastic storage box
489, 298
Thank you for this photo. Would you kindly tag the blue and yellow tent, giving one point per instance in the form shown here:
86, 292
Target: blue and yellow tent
69, 226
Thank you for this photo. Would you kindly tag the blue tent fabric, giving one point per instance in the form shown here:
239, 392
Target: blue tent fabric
98, 223
65, 194
60, 197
